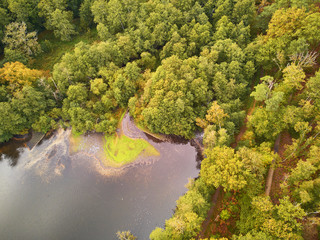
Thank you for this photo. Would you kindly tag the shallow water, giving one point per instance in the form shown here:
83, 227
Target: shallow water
50, 193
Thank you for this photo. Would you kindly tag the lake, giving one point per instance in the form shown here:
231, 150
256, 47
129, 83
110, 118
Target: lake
53, 193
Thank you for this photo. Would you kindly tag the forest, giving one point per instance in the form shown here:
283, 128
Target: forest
243, 72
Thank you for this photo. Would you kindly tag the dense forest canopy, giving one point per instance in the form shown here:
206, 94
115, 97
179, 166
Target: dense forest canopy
245, 72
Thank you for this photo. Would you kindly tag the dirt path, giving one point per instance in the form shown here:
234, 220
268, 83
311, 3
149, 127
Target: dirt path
129, 129
272, 167
217, 198
244, 127
213, 213
282, 169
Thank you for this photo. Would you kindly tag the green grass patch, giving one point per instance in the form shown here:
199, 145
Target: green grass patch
54, 49
121, 150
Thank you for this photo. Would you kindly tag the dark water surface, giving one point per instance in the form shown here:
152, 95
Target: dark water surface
49, 193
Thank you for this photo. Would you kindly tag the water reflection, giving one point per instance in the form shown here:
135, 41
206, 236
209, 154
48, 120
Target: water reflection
11, 151
53, 193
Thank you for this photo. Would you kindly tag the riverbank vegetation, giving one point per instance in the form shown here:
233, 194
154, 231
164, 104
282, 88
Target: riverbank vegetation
180, 67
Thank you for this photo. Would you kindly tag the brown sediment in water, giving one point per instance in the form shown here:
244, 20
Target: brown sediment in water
49, 161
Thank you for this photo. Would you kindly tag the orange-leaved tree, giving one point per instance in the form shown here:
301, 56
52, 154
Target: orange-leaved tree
15, 75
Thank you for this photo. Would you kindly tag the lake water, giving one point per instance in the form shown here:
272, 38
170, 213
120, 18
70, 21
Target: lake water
50, 193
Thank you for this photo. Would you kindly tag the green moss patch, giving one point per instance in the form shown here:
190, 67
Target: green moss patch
121, 150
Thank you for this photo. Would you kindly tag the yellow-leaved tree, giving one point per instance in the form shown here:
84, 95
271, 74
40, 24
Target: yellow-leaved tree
15, 75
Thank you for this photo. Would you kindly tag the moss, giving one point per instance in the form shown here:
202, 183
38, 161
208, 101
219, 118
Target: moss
121, 150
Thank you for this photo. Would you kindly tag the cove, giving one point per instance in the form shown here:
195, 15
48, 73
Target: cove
54, 193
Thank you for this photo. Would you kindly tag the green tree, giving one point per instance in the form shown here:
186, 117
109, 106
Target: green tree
25, 11
112, 15
125, 235
244, 10
11, 122
4, 21
288, 27
17, 38
275, 221
293, 77
86, 17
80, 119
30, 103
173, 96
57, 18
223, 167
60, 23
216, 115
77, 94
97, 86
313, 88
158, 234
223, 8
123, 89
48, 7
43, 124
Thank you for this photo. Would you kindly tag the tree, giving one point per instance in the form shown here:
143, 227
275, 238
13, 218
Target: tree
48, 7
81, 120
17, 38
313, 88
254, 235
223, 167
275, 221
158, 234
111, 14
173, 96
25, 11
30, 103
57, 18
10, 122
3, 94
60, 23
16, 75
293, 77
293, 27
97, 86
213, 138
99, 10
223, 8
86, 17
4, 21
244, 10
14, 56
125, 235
267, 124
224, 29
216, 115
235, 170
261, 92
274, 102
43, 124
77, 94
310, 28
